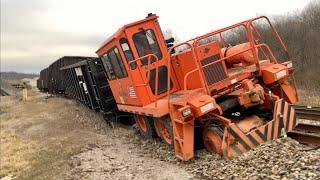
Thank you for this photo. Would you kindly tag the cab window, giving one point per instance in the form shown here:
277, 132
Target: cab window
113, 64
127, 52
146, 43
107, 65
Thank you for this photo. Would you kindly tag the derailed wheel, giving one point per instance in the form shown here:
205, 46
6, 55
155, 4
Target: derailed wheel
145, 125
212, 137
164, 129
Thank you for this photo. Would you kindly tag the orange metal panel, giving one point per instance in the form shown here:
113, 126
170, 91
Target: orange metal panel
274, 72
151, 109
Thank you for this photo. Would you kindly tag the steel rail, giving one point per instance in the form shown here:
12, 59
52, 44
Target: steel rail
307, 112
307, 132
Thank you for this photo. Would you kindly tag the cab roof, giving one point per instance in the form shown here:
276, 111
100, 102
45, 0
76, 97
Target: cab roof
121, 30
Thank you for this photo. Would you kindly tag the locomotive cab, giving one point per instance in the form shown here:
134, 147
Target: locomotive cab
132, 57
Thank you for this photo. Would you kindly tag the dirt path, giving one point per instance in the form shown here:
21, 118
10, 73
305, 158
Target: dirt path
58, 138
123, 161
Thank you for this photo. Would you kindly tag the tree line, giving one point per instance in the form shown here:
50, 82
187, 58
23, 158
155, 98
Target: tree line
300, 31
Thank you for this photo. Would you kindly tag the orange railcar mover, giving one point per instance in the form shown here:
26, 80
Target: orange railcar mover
238, 96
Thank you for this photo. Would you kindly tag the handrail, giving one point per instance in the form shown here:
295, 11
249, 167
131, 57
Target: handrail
224, 58
243, 24
259, 38
253, 45
186, 77
220, 60
252, 42
169, 67
269, 50
148, 68
248, 24
275, 32
148, 75
196, 40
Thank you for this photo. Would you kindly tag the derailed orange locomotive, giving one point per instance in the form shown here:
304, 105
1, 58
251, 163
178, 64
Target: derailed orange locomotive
237, 95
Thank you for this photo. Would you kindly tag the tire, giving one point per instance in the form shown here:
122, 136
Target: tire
145, 125
212, 137
164, 129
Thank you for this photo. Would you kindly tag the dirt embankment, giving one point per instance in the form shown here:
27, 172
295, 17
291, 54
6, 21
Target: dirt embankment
59, 138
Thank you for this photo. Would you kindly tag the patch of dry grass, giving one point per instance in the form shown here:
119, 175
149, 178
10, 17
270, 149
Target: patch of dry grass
16, 155
309, 97
39, 136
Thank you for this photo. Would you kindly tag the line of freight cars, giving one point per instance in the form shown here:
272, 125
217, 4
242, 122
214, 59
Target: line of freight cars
81, 78
51, 77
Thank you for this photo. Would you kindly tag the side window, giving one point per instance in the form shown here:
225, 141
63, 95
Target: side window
107, 65
113, 64
127, 52
146, 43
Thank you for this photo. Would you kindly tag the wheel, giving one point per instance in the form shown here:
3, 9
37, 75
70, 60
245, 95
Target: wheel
164, 129
212, 137
145, 125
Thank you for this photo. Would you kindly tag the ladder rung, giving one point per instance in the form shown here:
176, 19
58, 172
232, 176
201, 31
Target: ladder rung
182, 122
178, 139
178, 121
178, 156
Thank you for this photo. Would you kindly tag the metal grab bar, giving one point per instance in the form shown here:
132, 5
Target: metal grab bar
148, 73
269, 51
274, 32
148, 68
169, 68
186, 77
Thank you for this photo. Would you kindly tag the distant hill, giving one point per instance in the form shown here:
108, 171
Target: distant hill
16, 76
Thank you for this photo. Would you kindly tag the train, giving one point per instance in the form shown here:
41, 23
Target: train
235, 94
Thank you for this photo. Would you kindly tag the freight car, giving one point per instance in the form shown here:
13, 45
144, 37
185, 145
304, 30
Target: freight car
238, 96
42, 82
51, 78
86, 81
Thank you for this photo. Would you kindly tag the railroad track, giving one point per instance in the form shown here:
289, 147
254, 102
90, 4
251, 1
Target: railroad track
308, 112
308, 129
3, 92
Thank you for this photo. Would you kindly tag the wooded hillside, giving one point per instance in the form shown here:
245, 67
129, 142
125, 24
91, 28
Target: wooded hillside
301, 34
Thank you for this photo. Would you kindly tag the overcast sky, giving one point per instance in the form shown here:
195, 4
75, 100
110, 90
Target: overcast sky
34, 33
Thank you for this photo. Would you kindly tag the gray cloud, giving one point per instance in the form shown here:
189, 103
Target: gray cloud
34, 33
27, 42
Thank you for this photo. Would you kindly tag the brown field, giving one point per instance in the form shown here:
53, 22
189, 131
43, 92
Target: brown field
39, 138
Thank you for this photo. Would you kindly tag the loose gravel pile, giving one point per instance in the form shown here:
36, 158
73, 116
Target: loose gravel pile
280, 159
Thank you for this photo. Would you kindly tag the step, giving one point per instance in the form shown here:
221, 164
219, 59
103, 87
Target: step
178, 139
182, 122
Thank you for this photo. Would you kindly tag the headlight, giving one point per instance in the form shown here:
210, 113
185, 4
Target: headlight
186, 112
289, 65
281, 74
206, 107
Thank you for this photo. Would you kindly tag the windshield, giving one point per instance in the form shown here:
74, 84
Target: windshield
146, 43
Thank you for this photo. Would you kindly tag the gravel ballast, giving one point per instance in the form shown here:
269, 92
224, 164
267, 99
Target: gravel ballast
280, 159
